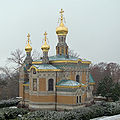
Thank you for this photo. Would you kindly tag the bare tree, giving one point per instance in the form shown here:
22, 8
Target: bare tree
3, 83
72, 53
8, 83
36, 54
113, 70
6, 71
17, 57
100, 70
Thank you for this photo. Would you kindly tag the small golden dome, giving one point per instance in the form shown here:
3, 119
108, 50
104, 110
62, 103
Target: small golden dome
45, 46
28, 48
61, 30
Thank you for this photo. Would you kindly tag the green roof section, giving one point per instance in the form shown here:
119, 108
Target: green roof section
91, 80
45, 66
70, 83
62, 57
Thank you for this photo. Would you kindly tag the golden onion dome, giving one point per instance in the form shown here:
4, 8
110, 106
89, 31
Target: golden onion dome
61, 30
45, 46
28, 48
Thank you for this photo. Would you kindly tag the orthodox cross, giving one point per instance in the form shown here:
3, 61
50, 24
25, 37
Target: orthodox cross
28, 37
45, 36
61, 12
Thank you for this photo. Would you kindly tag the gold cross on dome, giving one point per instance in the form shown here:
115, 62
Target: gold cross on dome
45, 36
61, 12
28, 37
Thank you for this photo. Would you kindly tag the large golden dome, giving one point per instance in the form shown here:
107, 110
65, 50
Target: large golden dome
45, 46
28, 48
61, 30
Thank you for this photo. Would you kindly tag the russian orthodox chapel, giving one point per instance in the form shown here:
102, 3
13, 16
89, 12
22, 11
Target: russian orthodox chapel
55, 82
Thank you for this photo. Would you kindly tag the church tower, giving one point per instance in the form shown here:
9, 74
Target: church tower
61, 31
28, 49
45, 48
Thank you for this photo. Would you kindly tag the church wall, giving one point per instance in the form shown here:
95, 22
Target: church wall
84, 97
26, 96
84, 77
58, 79
73, 69
42, 79
72, 75
66, 99
43, 96
22, 77
89, 92
30, 88
20, 89
49, 98
42, 84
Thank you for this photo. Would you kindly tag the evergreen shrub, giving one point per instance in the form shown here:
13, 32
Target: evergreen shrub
8, 103
11, 113
84, 113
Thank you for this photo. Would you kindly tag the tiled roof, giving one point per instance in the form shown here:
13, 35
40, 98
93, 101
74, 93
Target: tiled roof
45, 66
62, 57
68, 83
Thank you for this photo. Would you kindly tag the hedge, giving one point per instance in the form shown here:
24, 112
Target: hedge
11, 113
8, 103
84, 113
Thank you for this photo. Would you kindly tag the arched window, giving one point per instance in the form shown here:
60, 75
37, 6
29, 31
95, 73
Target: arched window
50, 85
77, 78
77, 99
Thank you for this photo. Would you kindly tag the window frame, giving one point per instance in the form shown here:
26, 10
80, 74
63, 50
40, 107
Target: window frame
51, 84
78, 78
34, 83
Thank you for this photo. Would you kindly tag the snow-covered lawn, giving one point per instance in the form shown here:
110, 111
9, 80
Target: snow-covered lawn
115, 117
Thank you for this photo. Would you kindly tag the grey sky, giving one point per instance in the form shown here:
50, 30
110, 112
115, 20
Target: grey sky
94, 26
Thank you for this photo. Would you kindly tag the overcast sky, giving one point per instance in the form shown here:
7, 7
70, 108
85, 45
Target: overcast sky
93, 26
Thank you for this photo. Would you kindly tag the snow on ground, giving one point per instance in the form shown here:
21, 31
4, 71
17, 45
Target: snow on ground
115, 117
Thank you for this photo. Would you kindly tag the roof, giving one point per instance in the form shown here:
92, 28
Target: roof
44, 67
91, 80
64, 58
68, 83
